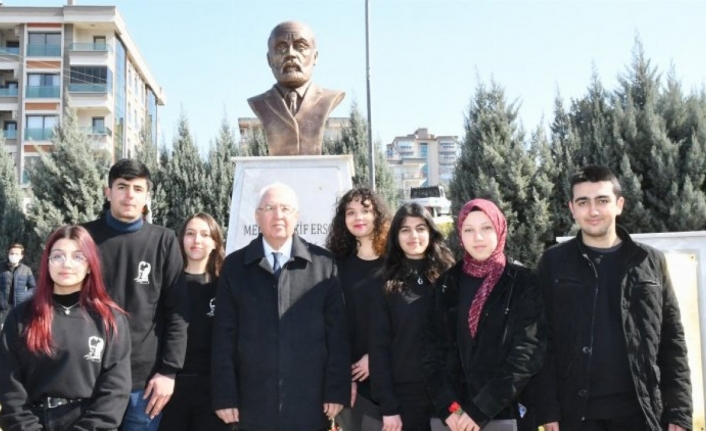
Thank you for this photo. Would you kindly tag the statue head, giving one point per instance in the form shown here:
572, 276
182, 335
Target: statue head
292, 54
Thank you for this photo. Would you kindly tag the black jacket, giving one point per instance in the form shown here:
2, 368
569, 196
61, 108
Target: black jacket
507, 351
280, 347
651, 324
396, 326
24, 284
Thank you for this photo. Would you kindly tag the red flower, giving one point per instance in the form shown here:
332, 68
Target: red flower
455, 408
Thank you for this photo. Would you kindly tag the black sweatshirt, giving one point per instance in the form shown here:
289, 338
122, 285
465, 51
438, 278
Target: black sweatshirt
360, 280
143, 274
396, 326
87, 364
202, 296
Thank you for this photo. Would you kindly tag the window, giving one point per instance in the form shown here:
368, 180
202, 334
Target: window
95, 79
43, 85
40, 127
10, 129
29, 162
89, 75
423, 151
98, 125
100, 43
44, 45
43, 80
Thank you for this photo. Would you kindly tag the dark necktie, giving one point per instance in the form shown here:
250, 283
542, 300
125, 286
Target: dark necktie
292, 97
276, 267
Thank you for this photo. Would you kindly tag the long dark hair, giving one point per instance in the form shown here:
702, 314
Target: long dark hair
437, 258
215, 259
340, 241
93, 296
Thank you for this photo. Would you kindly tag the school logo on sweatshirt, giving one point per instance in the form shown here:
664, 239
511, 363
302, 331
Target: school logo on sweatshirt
95, 349
143, 272
212, 305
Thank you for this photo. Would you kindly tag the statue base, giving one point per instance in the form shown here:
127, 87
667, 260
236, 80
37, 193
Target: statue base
318, 182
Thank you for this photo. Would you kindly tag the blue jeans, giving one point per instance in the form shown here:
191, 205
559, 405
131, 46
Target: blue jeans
135, 418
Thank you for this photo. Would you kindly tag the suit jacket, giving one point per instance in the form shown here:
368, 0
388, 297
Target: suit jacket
300, 134
280, 346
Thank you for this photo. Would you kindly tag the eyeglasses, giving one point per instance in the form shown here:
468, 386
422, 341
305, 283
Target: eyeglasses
60, 259
284, 209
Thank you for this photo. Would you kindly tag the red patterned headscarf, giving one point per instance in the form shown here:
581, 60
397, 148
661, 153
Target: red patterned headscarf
490, 269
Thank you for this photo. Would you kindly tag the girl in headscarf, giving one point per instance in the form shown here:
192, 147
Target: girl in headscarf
483, 339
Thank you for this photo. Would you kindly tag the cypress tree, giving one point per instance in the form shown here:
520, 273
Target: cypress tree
149, 154
496, 165
12, 228
354, 140
68, 182
221, 170
186, 184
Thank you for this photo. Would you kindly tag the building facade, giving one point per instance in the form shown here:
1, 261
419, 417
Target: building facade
80, 55
422, 159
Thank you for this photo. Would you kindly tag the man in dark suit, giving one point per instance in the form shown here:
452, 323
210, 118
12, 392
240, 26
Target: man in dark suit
294, 111
280, 358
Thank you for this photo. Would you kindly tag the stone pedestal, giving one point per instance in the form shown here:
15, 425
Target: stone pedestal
317, 180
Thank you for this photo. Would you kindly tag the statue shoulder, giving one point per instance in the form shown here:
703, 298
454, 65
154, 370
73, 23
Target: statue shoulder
331, 97
262, 96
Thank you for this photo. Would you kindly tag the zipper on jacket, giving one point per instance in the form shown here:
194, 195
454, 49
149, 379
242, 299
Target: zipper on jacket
591, 334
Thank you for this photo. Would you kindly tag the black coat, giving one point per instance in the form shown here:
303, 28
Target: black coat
651, 324
280, 348
507, 351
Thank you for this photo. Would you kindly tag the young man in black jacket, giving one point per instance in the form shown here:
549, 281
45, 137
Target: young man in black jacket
142, 267
617, 356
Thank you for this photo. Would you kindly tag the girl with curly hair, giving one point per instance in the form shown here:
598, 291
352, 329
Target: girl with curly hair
357, 240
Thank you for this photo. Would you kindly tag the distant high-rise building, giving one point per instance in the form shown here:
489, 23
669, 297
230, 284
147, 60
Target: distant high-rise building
82, 54
422, 159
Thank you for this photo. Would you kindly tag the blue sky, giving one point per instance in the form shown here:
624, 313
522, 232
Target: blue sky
427, 56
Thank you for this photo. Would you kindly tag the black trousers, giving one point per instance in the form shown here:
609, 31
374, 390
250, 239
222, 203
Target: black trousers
190, 407
60, 418
628, 423
417, 409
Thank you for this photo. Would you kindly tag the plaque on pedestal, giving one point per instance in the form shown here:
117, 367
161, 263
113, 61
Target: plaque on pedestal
317, 180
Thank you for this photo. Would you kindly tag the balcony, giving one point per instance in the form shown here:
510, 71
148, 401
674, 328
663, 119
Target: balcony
9, 134
38, 134
9, 50
43, 92
90, 47
9, 92
97, 131
43, 50
99, 137
88, 88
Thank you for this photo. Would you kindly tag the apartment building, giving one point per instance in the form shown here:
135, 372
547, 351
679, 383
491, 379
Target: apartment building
82, 55
422, 159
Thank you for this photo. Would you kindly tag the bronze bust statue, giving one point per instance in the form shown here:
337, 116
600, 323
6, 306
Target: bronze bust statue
294, 111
